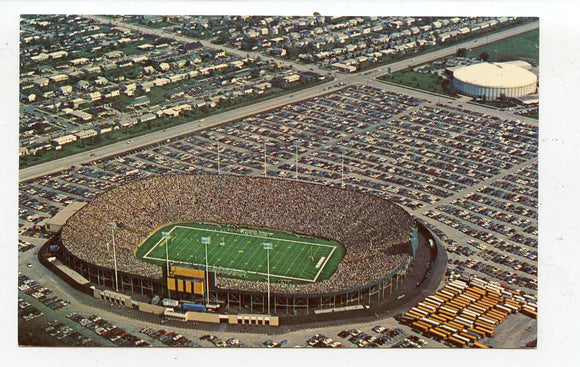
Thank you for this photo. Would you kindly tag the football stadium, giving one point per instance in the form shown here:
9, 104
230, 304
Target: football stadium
240, 252
231, 240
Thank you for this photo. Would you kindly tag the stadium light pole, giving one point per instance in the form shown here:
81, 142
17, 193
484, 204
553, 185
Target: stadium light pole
166, 236
206, 241
296, 161
342, 170
268, 246
113, 226
218, 155
265, 173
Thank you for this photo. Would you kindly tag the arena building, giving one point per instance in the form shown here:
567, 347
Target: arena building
380, 239
493, 80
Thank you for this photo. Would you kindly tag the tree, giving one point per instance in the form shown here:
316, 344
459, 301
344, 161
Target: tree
222, 38
484, 56
249, 43
461, 52
503, 99
277, 81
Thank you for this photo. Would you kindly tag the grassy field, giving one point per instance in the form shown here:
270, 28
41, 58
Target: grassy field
524, 46
427, 82
238, 252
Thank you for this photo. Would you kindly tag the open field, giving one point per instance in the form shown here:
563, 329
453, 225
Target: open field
239, 252
428, 82
524, 46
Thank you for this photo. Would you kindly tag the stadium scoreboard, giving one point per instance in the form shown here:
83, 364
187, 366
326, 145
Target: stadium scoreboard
186, 280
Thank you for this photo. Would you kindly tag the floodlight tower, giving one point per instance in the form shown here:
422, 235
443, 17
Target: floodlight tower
166, 236
296, 145
218, 156
265, 172
342, 168
268, 247
113, 227
206, 241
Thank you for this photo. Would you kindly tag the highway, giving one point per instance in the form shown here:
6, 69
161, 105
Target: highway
368, 77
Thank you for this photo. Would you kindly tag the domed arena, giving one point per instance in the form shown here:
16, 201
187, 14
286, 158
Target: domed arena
493, 80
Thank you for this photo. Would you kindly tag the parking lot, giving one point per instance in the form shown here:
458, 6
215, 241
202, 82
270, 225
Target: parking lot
445, 164
475, 188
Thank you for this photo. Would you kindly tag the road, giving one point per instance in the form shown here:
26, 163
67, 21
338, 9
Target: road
347, 79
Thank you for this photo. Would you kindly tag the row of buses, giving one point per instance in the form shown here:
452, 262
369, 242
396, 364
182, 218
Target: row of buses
465, 311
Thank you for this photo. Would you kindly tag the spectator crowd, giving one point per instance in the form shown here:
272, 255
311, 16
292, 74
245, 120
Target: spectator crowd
374, 232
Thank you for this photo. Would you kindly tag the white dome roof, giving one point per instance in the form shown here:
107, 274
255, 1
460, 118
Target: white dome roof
496, 75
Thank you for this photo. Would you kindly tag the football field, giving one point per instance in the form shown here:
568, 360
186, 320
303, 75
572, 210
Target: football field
239, 252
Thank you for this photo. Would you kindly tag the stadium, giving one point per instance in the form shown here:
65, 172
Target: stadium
493, 80
209, 238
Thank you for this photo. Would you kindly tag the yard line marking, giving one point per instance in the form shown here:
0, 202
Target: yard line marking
263, 237
157, 244
324, 265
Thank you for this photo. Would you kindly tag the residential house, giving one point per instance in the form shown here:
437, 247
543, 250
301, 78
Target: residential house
65, 139
101, 80
41, 82
83, 85
140, 101
58, 54
58, 78
84, 116
85, 134
65, 90
95, 96
146, 117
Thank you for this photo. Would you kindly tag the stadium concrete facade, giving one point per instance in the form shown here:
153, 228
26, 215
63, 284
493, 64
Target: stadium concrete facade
367, 275
493, 80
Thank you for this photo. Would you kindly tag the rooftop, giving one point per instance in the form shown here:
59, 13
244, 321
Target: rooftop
495, 75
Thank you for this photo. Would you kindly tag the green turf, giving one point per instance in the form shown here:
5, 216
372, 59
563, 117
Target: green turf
293, 257
426, 81
524, 46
